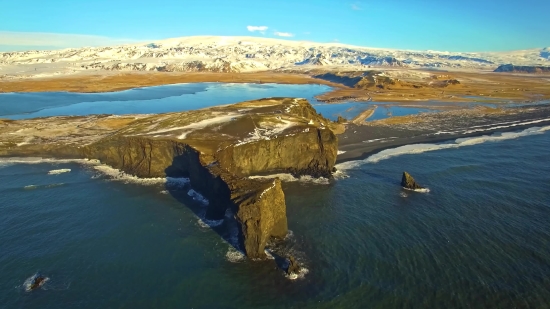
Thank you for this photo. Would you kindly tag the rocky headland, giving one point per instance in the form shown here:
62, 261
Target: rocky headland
218, 149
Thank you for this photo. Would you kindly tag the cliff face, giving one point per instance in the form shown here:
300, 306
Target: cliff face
305, 153
261, 214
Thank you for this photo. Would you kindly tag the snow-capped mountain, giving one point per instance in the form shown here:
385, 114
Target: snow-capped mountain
244, 54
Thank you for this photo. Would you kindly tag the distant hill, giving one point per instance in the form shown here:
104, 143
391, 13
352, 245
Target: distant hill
510, 68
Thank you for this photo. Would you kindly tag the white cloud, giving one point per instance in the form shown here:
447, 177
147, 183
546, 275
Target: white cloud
356, 6
11, 40
256, 28
285, 34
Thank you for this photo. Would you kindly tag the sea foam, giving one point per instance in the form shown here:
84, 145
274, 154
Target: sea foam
289, 178
59, 171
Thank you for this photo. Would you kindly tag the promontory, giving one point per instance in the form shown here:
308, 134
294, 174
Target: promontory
217, 148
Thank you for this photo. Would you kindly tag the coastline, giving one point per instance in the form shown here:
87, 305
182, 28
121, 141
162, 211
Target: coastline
381, 134
360, 142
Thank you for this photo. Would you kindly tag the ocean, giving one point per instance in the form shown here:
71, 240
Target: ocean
480, 238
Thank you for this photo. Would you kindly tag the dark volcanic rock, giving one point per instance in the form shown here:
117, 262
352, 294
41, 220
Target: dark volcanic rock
408, 182
510, 68
37, 282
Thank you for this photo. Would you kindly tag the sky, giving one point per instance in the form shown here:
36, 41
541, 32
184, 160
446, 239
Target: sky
466, 25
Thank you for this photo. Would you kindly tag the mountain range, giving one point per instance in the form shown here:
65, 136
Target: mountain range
246, 54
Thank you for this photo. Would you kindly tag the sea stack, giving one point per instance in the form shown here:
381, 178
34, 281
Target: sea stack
293, 267
407, 182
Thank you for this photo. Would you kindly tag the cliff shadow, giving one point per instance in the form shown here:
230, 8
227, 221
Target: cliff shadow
187, 193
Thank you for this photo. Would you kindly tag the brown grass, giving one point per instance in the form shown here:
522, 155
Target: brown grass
491, 86
106, 83
115, 123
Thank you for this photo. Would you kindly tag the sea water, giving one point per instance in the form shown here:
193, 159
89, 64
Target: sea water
479, 238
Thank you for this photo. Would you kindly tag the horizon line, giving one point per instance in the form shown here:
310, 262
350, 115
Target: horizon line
22, 41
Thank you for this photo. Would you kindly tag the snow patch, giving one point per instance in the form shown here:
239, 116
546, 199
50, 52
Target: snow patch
266, 131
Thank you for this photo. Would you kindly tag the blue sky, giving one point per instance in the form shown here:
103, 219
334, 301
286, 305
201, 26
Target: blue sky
466, 25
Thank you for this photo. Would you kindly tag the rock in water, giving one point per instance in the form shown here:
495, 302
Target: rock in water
37, 282
293, 267
408, 182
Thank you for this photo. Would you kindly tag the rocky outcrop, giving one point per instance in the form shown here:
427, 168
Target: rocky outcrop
510, 68
407, 182
293, 267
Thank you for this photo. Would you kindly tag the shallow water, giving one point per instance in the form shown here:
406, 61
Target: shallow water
386, 111
183, 97
480, 238
350, 110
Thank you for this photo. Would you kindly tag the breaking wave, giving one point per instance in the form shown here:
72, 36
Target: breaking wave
196, 196
300, 275
289, 178
421, 148
59, 171
423, 190
235, 256
34, 187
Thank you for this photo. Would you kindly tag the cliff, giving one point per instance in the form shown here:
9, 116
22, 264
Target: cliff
217, 148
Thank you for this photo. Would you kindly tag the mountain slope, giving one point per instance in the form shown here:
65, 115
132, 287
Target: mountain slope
244, 54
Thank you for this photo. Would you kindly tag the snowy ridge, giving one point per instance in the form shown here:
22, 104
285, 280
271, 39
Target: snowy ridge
244, 54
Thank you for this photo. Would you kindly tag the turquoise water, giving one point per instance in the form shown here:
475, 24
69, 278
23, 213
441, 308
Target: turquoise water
351, 110
386, 111
161, 99
479, 239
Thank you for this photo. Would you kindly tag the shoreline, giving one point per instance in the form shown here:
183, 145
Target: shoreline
124, 81
387, 137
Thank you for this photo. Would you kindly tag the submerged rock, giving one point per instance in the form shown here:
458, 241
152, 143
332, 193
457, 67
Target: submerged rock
407, 182
293, 267
37, 282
